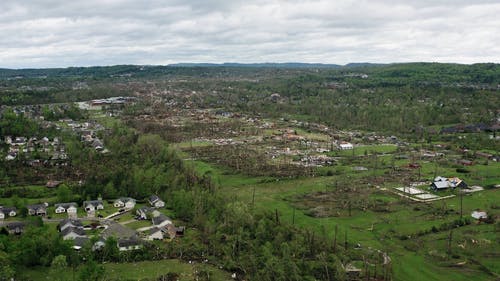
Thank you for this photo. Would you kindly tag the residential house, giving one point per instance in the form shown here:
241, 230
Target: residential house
37, 209
144, 212
442, 183
118, 231
69, 223
127, 202
129, 244
72, 232
155, 201
7, 212
161, 220
16, 227
155, 233
345, 146
70, 208
93, 205
79, 242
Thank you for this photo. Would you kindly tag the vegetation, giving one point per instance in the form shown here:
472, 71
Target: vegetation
247, 158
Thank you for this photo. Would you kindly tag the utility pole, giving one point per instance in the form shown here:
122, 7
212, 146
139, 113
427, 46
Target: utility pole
449, 243
253, 197
461, 203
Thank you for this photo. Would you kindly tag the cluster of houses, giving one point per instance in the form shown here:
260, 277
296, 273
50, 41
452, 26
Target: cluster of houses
91, 207
88, 133
54, 151
128, 239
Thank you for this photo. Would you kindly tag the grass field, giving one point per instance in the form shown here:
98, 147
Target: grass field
413, 259
132, 271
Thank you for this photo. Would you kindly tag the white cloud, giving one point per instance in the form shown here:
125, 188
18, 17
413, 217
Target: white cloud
95, 32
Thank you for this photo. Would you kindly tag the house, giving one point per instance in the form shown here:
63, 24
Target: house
79, 242
93, 205
37, 209
72, 232
7, 212
127, 202
70, 208
442, 183
155, 233
118, 231
155, 201
345, 146
129, 244
144, 212
161, 220
69, 223
16, 227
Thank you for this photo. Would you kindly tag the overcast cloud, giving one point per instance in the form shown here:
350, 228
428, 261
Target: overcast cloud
60, 33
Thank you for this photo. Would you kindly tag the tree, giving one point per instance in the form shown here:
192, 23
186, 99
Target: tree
58, 265
110, 251
91, 271
59, 262
64, 193
6, 270
110, 190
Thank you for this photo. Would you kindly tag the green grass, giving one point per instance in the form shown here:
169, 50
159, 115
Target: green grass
131, 271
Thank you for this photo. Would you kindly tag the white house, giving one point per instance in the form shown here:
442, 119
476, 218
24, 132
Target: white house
155, 201
346, 145
7, 212
155, 233
127, 202
65, 207
161, 220
93, 205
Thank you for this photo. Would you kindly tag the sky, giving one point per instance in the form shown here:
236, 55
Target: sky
63, 33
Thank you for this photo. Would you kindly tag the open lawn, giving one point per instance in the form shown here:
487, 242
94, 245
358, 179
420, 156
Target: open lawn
132, 271
381, 230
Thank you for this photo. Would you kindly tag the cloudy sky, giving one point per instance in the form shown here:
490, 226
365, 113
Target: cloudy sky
60, 33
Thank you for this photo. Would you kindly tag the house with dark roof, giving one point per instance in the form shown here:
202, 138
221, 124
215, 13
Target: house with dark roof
144, 212
79, 242
72, 233
155, 233
161, 220
7, 212
93, 205
155, 201
129, 244
442, 183
70, 208
118, 231
37, 209
16, 227
69, 223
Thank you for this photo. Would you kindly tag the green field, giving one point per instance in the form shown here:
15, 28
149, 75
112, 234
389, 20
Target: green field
416, 258
147, 270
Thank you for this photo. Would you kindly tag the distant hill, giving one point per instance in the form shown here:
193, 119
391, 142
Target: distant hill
266, 64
